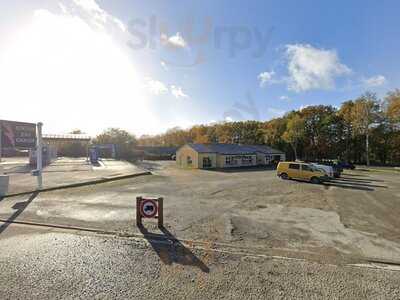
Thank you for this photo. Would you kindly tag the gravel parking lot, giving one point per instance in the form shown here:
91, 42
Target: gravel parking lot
234, 226
356, 215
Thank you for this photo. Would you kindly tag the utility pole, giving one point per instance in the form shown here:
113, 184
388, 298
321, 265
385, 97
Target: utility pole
39, 152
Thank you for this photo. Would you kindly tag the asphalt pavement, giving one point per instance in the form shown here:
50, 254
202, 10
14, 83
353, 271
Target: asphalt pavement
42, 263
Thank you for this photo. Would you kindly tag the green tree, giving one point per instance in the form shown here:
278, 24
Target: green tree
124, 141
77, 131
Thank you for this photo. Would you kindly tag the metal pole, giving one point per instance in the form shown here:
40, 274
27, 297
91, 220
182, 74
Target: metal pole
160, 212
138, 215
1, 139
39, 152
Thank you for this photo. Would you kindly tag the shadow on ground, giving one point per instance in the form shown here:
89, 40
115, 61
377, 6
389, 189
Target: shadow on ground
366, 180
20, 207
351, 184
21, 169
354, 183
171, 250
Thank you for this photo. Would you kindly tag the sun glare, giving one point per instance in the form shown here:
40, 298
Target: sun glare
59, 64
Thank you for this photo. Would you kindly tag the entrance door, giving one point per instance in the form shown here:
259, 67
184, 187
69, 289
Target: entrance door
206, 162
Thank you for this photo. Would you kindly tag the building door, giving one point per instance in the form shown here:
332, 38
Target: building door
207, 162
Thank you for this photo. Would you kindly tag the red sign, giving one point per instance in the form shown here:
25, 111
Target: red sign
18, 135
148, 208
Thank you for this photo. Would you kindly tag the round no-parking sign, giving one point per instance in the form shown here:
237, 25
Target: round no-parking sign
148, 208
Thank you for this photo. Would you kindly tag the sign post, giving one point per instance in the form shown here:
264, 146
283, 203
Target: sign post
149, 208
1, 138
39, 152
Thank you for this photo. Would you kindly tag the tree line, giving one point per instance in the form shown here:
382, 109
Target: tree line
363, 130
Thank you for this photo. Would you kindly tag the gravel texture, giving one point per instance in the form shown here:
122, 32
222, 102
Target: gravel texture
58, 265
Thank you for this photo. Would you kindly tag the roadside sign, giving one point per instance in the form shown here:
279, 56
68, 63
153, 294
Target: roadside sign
148, 208
17, 134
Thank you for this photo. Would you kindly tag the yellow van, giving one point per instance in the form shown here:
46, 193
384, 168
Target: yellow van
299, 170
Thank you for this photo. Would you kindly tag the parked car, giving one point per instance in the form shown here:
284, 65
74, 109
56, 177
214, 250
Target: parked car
302, 171
325, 168
337, 170
346, 165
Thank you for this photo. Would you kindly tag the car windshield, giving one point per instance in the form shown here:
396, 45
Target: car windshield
204, 149
315, 168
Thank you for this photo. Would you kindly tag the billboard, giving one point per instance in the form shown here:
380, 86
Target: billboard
18, 134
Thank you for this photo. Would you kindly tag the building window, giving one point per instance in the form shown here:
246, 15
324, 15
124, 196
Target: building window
230, 160
247, 160
189, 160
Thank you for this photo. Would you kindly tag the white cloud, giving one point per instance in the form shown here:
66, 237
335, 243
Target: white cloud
92, 12
265, 78
174, 41
228, 119
375, 81
312, 68
285, 98
164, 65
63, 8
155, 87
177, 92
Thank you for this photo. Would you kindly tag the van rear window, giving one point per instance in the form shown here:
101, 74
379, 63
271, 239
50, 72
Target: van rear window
294, 166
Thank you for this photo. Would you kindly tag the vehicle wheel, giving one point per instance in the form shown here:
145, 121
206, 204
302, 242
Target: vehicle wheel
315, 180
284, 176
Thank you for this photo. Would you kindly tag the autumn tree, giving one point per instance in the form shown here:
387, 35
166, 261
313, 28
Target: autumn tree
364, 114
321, 124
365, 127
294, 133
392, 126
273, 131
393, 105
345, 113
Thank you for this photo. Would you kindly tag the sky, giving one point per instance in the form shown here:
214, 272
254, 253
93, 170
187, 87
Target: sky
147, 66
